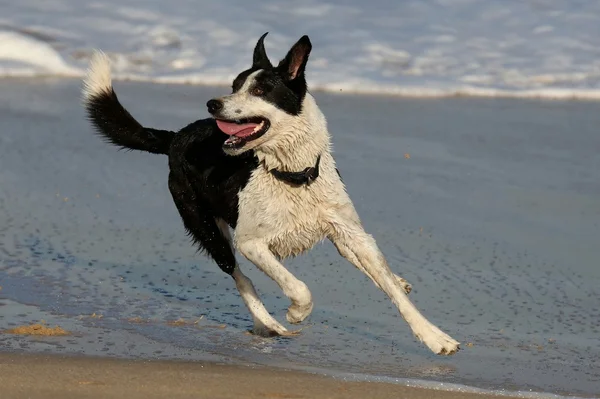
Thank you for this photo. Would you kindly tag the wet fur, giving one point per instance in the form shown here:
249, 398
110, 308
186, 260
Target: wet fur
217, 188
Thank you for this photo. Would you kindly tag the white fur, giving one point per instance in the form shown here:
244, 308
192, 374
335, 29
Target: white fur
264, 323
360, 249
277, 220
258, 252
98, 80
283, 137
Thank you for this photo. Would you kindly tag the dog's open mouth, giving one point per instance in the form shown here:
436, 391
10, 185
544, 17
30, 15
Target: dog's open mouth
243, 130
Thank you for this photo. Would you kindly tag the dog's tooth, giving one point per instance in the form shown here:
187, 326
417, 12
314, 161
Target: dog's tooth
258, 127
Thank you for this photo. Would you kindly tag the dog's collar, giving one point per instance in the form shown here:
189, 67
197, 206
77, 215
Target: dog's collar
307, 176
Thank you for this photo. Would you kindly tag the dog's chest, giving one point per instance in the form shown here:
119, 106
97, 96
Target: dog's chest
287, 217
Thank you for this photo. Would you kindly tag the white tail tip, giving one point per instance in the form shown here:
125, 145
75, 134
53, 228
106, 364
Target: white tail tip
98, 80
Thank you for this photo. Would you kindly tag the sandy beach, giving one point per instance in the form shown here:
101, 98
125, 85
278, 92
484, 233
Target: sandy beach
55, 377
465, 131
488, 207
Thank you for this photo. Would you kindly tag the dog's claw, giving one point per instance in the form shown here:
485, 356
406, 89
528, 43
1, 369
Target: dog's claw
439, 342
406, 286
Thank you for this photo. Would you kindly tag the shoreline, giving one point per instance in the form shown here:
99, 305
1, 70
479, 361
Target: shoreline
92, 245
57, 376
400, 92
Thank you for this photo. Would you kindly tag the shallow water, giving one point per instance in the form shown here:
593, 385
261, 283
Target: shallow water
490, 208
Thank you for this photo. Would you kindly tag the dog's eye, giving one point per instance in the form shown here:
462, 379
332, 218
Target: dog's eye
257, 91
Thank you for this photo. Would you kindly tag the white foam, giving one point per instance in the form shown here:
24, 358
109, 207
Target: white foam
439, 386
21, 55
422, 48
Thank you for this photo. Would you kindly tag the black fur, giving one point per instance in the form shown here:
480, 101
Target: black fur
203, 180
278, 92
238, 82
197, 152
285, 85
118, 127
292, 67
259, 58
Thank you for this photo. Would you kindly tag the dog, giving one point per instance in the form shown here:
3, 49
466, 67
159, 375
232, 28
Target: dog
262, 167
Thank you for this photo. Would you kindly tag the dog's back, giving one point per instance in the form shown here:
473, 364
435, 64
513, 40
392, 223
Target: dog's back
203, 180
196, 153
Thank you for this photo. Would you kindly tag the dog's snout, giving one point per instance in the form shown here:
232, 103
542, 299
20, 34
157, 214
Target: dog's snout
214, 105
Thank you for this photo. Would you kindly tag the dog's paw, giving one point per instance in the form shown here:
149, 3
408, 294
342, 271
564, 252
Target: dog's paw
406, 286
269, 332
264, 331
297, 313
439, 342
271, 328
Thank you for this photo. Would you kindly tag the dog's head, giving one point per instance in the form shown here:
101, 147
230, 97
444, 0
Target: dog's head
265, 99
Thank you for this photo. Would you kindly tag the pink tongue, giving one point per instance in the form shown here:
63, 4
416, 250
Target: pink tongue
234, 129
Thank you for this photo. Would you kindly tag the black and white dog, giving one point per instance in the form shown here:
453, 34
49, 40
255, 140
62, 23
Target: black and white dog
262, 165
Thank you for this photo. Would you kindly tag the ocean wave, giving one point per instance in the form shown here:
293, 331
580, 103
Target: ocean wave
425, 48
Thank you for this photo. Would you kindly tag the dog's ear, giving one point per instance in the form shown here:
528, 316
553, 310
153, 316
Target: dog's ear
292, 66
260, 59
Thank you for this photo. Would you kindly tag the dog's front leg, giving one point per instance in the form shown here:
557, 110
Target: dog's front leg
360, 249
258, 253
351, 257
264, 323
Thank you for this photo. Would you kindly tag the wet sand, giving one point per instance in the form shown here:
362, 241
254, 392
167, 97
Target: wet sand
55, 377
488, 207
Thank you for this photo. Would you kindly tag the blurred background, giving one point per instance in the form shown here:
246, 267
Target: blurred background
414, 47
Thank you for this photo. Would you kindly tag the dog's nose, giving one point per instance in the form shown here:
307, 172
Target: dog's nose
214, 106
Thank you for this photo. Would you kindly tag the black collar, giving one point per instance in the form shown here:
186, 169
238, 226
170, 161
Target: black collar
307, 176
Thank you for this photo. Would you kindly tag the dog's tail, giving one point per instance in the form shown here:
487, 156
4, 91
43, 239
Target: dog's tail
111, 120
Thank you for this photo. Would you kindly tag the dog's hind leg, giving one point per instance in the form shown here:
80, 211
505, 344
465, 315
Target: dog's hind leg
360, 249
258, 253
212, 235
